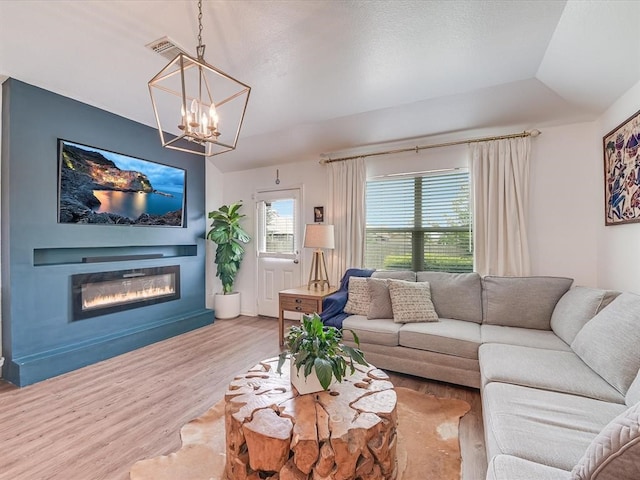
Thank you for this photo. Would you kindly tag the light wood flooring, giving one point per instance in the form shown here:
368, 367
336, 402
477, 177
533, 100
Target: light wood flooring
94, 423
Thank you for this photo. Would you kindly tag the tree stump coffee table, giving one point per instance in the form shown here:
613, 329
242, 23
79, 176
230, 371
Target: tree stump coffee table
346, 433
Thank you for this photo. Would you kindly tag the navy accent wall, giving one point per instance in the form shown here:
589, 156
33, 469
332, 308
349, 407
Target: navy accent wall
39, 338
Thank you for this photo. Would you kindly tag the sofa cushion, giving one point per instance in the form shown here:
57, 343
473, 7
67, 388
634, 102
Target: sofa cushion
522, 301
411, 302
449, 336
559, 371
526, 337
395, 274
541, 426
422, 363
577, 307
358, 297
380, 300
615, 452
455, 295
608, 343
379, 332
633, 394
508, 467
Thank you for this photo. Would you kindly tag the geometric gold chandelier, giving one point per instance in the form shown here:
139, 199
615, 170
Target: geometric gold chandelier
201, 107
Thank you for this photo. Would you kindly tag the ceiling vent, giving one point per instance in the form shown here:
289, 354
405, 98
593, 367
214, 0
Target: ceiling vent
166, 47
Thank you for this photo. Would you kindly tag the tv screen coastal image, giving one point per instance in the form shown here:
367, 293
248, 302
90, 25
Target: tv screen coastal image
101, 187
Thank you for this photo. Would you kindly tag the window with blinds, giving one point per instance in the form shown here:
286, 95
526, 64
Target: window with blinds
419, 223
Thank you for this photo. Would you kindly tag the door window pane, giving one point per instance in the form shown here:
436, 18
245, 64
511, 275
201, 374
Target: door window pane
279, 217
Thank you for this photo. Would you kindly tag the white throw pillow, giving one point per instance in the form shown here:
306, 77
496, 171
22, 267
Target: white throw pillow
357, 297
411, 302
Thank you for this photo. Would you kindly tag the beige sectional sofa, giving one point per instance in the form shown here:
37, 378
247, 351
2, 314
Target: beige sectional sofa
558, 367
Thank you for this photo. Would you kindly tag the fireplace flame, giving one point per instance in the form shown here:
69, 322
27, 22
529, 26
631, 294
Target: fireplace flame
100, 301
101, 293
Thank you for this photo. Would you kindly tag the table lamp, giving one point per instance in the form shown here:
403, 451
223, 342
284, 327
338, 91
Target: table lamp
318, 236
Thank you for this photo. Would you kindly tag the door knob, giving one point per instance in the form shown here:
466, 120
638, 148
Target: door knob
296, 261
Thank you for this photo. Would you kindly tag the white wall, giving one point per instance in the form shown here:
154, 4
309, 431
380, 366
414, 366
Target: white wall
313, 177
2, 79
565, 207
213, 200
424, 160
310, 175
566, 229
618, 252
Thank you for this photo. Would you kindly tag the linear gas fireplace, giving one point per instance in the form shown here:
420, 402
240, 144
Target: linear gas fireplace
109, 292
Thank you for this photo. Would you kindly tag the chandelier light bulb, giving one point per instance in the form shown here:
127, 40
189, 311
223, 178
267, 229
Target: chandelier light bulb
193, 116
213, 114
204, 124
183, 119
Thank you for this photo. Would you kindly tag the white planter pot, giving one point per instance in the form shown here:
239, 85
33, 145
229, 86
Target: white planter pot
303, 384
227, 306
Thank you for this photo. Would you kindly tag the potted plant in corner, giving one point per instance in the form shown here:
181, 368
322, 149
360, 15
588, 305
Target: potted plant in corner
227, 233
317, 355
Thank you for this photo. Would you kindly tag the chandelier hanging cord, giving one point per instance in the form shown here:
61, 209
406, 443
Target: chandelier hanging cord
200, 47
200, 52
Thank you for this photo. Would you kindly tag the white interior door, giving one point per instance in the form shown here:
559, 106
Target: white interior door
279, 242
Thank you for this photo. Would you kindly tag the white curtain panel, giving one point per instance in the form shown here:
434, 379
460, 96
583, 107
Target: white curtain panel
500, 184
347, 182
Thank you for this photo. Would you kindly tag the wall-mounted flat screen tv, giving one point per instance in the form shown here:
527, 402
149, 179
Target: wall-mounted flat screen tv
101, 187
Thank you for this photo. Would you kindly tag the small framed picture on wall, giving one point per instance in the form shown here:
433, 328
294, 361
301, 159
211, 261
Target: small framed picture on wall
318, 214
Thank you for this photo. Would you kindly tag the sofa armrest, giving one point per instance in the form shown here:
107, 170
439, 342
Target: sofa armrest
615, 451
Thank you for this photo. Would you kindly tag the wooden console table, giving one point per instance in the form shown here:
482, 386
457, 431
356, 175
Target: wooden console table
346, 433
301, 300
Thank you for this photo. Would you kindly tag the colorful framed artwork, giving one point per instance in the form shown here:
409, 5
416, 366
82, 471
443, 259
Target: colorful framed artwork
621, 149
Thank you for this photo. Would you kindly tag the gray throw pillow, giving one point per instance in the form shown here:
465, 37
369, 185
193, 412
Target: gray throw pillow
380, 300
614, 452
608, 343
357, 297
411, 302
455, 295
407, 275
526, 302
577, 307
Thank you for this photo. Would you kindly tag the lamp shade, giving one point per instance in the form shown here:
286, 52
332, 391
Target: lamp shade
319, 236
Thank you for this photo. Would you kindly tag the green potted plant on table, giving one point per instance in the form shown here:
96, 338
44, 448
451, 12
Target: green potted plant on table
317, 355
227, 233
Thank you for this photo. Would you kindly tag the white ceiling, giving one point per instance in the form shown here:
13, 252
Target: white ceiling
330, 76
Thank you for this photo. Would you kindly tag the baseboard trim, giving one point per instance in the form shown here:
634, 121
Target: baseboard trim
23, 371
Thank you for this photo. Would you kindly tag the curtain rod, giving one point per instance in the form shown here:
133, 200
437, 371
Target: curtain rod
417, 148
